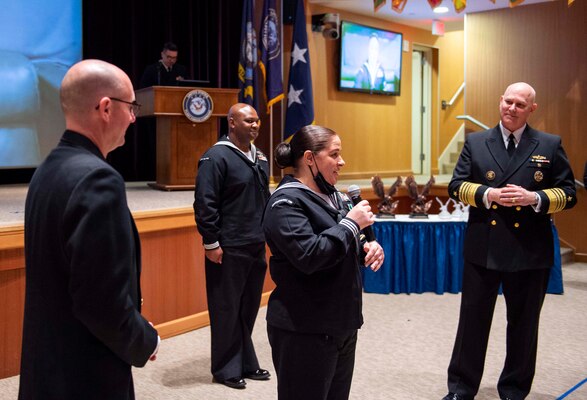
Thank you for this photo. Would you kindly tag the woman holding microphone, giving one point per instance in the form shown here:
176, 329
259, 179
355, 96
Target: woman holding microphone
313, 232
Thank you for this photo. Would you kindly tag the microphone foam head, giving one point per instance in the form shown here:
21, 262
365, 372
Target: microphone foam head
354, 190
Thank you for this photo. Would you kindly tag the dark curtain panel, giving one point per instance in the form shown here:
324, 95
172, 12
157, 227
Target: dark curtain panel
130, 34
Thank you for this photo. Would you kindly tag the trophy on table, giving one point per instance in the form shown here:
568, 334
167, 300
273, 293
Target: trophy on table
419, 205
444, 213
386, 207
458, 211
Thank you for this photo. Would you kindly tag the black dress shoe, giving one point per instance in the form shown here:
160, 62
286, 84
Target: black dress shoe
258, 375
235, 383
454, 396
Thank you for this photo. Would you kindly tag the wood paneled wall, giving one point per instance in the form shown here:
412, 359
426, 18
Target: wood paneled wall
543, 45
376, 130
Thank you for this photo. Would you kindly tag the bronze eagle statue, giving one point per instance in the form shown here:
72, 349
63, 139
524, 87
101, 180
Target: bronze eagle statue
386, 207
419, 205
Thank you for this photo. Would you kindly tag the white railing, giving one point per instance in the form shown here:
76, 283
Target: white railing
445, 105
473, 120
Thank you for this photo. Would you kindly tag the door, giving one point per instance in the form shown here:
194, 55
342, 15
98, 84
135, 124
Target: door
421, 109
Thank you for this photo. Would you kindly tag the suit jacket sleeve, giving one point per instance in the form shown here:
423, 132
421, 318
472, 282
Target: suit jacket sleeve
104, 276
562, 193
461, 188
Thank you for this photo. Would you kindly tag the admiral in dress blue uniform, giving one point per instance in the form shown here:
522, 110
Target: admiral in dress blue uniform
514, 177
232, 187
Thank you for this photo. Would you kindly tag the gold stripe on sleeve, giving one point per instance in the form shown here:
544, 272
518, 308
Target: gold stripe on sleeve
467, 192
557, 200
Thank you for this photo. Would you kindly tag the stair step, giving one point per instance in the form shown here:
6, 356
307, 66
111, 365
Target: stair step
567, 255
447, 169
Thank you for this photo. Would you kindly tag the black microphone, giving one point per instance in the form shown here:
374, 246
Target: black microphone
354, 192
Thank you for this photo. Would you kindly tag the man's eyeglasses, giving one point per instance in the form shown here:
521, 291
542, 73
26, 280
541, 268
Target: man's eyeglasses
134, 108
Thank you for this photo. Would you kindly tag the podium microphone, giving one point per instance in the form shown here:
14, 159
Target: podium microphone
354, 193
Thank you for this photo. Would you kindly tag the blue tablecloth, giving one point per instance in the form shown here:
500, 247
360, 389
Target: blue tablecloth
427, 256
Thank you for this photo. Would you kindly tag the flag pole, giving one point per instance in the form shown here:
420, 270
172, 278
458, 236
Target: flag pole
271, 180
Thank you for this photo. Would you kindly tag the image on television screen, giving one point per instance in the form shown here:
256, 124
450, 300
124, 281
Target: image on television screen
39, 41
370, 59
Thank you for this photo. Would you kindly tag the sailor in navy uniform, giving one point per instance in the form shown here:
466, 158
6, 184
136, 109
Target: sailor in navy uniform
232, 187
313, 232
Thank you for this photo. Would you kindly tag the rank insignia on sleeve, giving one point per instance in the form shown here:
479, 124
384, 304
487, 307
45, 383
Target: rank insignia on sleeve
281, 201
538, 176
490, 175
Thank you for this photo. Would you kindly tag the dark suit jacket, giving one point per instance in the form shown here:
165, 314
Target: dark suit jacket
512, 238
156, 75
82, 324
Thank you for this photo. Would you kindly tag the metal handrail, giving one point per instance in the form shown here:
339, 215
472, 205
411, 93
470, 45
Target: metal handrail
454, 97
579, 183
473, 120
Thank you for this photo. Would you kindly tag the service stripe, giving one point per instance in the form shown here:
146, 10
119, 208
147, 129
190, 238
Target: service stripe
557, 200
467, 192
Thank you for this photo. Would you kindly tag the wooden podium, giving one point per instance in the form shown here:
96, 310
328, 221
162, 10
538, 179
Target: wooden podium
181, 142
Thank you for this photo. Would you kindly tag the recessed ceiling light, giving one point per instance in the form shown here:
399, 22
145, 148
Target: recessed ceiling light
440, 10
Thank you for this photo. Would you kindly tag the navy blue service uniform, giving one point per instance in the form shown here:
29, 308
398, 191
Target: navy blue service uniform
511, 246
231, 191
315, 310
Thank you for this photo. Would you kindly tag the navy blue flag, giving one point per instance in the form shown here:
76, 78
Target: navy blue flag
247, 65
300, 101
270, 63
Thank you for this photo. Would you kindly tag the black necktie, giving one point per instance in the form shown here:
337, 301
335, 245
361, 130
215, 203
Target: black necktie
511, 145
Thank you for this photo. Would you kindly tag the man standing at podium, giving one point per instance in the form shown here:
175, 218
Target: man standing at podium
515, 178
166, 71
232, 187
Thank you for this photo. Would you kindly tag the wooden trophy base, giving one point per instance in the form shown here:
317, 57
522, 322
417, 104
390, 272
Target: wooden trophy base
385, 216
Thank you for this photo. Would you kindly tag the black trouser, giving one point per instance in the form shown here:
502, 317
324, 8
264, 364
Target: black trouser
524, 293
312, 366
234, 290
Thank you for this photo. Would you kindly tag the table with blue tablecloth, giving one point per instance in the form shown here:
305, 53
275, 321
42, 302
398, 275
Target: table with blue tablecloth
426, 255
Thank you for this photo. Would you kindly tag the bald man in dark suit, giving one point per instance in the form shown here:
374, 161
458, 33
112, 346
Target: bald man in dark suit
514, 177
82, 324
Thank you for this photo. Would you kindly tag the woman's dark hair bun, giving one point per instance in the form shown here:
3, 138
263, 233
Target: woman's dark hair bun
283, 155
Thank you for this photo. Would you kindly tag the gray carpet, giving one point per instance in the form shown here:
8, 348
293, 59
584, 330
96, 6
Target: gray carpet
403, 352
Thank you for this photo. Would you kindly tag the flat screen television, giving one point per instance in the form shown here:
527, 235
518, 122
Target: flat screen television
370, 59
